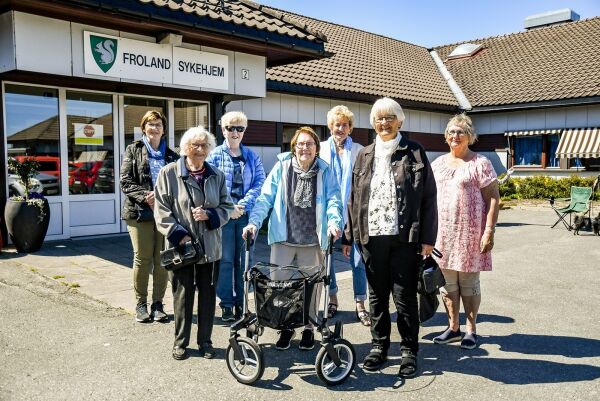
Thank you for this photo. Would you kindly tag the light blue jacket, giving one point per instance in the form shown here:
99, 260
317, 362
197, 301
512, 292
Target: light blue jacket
273, 196
253, 172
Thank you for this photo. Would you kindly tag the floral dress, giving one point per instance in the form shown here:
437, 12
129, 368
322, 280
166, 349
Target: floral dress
462, 213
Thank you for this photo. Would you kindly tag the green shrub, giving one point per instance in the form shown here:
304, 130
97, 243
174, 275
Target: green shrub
543, 187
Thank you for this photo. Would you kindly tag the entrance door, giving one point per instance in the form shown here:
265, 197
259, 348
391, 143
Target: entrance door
91, 144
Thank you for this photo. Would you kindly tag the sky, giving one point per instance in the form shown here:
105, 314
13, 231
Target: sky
433, 22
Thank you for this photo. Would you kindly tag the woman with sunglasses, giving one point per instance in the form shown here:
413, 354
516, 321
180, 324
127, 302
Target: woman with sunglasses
244, 176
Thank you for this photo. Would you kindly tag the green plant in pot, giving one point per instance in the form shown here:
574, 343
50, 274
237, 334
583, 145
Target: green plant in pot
27, 215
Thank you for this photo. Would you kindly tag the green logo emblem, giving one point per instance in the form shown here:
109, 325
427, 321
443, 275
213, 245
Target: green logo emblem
104, 51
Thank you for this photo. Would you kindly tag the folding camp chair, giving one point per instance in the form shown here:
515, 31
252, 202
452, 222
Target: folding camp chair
579, 202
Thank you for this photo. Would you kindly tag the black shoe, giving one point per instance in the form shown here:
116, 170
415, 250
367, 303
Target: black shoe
141, 313
408, 365
375, 358
157, 312
237, 312
285, 338
227, 314
448, 336
308, 340
206, 350
469, 341
179, 353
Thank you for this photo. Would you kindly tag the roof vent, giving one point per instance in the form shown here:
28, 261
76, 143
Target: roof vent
464, 50
550, 18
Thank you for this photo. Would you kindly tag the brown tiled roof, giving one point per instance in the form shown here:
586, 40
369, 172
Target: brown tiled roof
246, 13
370, 64
543, 64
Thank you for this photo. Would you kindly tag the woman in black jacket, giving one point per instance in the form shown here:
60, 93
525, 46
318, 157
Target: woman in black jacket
143, 160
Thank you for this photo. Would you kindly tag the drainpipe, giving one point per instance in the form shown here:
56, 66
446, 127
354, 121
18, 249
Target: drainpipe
458, 93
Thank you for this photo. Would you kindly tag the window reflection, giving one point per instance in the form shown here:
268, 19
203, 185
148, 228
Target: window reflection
32, 130
135, 108
90, 143
528, 151
188, 115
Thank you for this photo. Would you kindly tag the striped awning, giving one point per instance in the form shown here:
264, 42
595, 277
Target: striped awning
533, 132
579, 142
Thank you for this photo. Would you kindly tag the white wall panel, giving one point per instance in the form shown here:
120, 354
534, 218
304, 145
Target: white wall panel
536, 119
411, 120
306, 110
235, 105
498, 123
271, 107
268, 154
249, 75
7, 43
42, 44
556, 118
483, 125
365, 113
289, 108
425, 122
577, 117
354, 108
516, 121
593, 116
252, 108
322, 106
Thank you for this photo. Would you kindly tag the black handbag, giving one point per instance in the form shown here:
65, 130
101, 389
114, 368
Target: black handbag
183, 255
431, 278
177, 257
144, 213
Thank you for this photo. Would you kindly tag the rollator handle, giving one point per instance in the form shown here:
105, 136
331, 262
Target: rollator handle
330, 245
249, 241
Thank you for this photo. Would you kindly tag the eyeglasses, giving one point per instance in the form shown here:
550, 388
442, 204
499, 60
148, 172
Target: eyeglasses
456, 132
300, 145
387, 119
204, 146
238, 128
154, 125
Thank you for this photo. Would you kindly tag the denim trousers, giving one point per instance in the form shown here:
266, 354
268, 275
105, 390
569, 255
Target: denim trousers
359, 275
230, 287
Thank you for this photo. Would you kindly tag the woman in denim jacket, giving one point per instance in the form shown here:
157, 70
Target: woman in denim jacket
244, 175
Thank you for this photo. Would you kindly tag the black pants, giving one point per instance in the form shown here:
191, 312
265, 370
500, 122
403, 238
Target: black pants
184, 283
392, 267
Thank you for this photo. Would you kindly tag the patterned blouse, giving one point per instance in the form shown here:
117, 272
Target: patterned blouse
383, 211
462, 213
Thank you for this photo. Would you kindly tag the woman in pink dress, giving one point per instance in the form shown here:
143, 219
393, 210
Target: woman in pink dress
468, 199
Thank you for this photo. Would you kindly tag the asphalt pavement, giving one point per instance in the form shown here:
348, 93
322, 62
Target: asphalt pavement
68, 332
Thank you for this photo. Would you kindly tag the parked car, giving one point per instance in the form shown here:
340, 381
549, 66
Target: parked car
16, 187
48, 164
82, 176
105, 181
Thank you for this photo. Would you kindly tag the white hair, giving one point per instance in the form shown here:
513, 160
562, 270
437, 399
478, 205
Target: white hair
387, 106
196, 133
234, 117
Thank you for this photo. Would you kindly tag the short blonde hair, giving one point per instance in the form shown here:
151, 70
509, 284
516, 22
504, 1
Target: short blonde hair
463, 121
305, 130
234, 117
340, 111
386, 105
196, 133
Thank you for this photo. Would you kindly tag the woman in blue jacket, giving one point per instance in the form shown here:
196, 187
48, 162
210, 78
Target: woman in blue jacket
305, 199
244, 175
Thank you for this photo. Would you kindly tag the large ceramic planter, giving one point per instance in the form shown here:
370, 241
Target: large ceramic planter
27, 224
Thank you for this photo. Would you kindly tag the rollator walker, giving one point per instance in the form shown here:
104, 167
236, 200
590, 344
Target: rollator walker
284, 297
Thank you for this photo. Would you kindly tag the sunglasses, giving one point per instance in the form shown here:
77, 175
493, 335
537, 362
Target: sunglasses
238, 128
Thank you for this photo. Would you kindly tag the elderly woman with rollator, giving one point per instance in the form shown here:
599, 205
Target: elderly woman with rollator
340, 152
392, 215
468, 200
304, 196
244, 175
191, 202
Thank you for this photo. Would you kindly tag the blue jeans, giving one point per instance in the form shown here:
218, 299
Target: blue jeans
359, 276
230, 287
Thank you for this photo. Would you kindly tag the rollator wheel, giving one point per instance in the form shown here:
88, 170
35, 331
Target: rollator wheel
333, 375
252, 367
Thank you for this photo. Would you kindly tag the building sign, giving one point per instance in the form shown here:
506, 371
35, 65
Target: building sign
112, 56
89, 134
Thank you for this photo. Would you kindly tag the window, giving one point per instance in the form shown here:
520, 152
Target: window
188, 115
553, 161
135, 108
32, 129
90, 141
528, 150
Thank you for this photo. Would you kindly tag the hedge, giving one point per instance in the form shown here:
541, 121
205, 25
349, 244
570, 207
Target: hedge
543, 187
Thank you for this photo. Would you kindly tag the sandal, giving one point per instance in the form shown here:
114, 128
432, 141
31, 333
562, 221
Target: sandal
364, 317
331, 310
408, 365
375, 358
